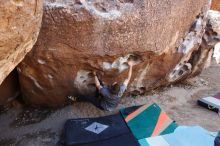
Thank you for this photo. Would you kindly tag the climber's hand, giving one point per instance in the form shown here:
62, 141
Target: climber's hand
130, 62
94, 73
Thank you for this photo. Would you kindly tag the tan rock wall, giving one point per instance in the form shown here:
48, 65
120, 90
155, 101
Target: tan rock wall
20, 22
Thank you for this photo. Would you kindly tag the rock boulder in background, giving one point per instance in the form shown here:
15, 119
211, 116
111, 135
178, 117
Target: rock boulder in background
213, 35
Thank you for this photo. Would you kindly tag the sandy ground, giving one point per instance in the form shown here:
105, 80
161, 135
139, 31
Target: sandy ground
42, 127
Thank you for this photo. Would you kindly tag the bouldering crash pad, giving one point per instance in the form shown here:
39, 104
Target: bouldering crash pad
102, 131
211, 102
182, 136
147, 121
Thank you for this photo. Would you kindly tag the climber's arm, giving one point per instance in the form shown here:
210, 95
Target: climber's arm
126, 82
97, 83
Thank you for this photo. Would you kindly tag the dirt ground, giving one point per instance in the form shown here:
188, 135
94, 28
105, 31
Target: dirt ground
42, 127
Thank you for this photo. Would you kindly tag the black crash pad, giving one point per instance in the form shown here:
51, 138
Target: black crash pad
103, 131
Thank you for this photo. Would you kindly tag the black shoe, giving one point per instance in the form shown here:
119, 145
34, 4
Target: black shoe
72, 98
217, 140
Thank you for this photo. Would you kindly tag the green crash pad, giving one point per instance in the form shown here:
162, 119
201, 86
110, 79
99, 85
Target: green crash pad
147, 121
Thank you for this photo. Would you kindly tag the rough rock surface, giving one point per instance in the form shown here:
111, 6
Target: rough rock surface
213, 27
20, 22
215, 5
213, 33
80, 36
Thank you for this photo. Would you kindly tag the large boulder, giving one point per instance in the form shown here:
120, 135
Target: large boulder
20, 22
80, 36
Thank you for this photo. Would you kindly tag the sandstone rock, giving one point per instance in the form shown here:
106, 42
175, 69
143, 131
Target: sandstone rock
212, 35
213, 27
20, 22
215, 5
9, 89
201, 58
80, 36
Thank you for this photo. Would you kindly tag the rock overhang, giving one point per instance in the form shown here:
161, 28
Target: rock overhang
80, 36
